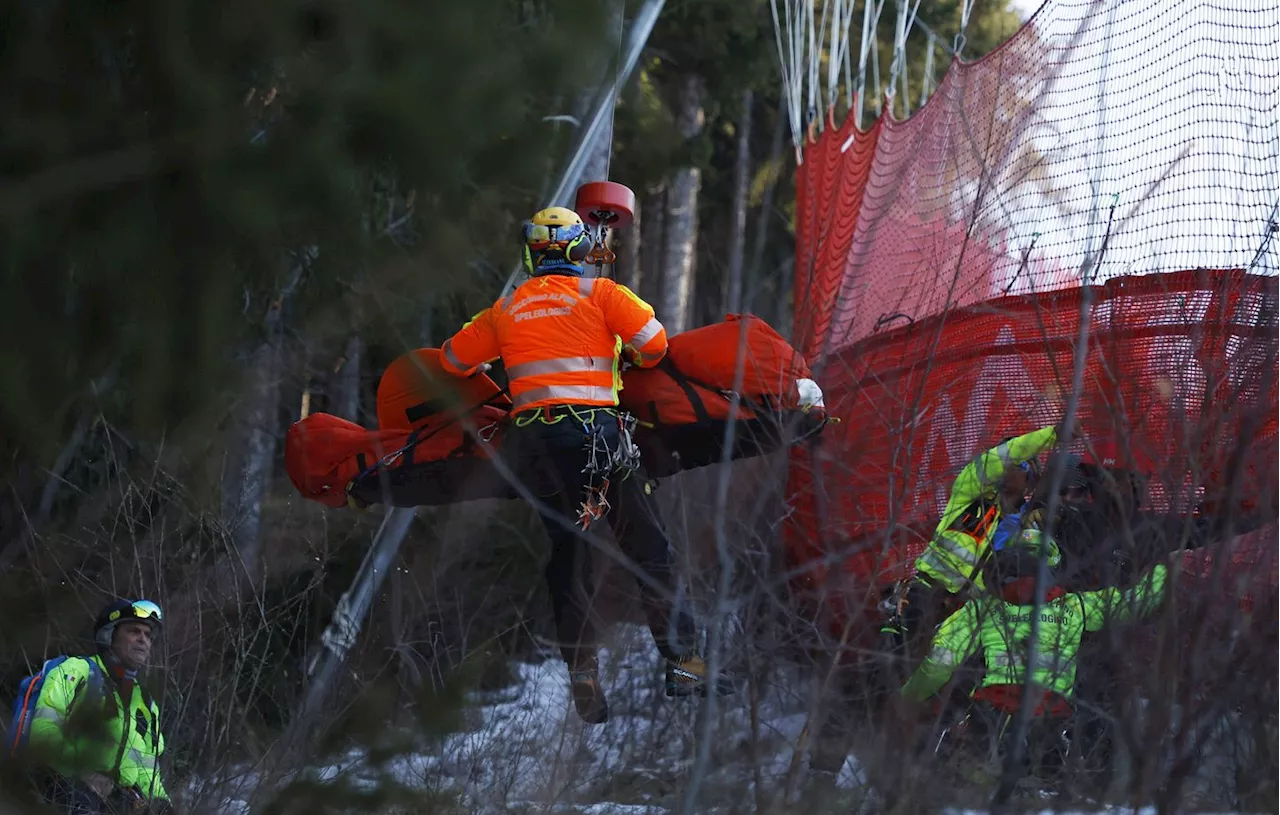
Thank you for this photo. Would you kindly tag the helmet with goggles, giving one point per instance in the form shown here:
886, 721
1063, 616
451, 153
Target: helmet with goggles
123, 611
1021, 556
555, 242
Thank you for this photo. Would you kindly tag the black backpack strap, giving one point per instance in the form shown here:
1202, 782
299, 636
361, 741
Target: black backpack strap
94, 670
764, 407
686, 384
147, 699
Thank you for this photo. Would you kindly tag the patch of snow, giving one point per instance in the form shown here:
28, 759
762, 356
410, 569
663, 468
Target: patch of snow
530, 753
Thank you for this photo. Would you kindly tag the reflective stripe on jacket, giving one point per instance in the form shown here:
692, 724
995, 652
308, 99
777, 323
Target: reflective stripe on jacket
955, 553
1002, 631
126, 748
559, 338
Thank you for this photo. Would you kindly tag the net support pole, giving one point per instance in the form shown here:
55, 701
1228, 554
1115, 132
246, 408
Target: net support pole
325, 662
344, 626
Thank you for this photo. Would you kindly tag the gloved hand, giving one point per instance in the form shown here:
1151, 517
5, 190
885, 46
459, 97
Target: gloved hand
1077, 429
627, 358
127, 800
99, 783
130, 800
482, 368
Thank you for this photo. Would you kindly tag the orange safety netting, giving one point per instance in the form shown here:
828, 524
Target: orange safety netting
940, 264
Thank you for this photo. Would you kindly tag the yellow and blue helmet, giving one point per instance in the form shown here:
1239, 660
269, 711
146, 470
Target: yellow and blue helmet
1034, 542
555, 242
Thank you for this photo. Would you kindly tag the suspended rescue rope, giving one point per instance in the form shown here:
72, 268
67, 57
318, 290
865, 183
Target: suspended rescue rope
805, 36
898, 68
926, 82
794, 23
838, 56
870, 19
966, 9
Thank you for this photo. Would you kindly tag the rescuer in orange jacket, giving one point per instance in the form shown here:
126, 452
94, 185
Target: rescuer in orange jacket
560, 336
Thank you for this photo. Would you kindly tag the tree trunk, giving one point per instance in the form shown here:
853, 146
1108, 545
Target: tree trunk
258, 426
785, 318
626, 245
738, 229
681, 227
766, 200
649, 259
347, 383
245, 495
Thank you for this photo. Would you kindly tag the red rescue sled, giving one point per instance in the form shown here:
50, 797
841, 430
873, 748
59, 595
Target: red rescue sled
434, 446
684, 404
438, 434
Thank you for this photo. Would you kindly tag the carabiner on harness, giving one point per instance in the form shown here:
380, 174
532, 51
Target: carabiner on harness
626, 458
598, 469
604, 463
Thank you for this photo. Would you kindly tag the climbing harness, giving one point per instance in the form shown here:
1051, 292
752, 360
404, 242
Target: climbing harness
605, 463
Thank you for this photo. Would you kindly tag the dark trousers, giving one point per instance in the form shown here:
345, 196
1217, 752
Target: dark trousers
990, 732
551, 456
73, 797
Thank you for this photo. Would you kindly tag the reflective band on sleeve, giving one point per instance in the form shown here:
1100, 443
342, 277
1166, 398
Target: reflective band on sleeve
48, 713
643, 357
935, 566
561, 365
647, 332
586, 285
944, 656
957, 550
452, 358
1006, 458
567, 393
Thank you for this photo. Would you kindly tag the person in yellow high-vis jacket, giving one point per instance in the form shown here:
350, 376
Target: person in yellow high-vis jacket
95, 731
994, 483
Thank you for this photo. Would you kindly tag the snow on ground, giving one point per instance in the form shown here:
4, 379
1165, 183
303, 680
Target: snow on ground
528, 752
531, 748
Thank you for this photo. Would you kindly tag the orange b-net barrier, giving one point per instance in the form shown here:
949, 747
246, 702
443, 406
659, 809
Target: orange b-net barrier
942, 265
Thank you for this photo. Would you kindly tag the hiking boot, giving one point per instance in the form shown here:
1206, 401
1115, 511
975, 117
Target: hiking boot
688, 675
588, 694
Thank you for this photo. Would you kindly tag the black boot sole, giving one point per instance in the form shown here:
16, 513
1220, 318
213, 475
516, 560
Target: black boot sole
592, 707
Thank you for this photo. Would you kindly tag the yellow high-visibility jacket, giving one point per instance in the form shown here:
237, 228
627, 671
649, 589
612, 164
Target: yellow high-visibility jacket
969, 521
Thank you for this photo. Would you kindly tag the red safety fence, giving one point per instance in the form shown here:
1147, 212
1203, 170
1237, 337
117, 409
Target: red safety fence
939, 271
